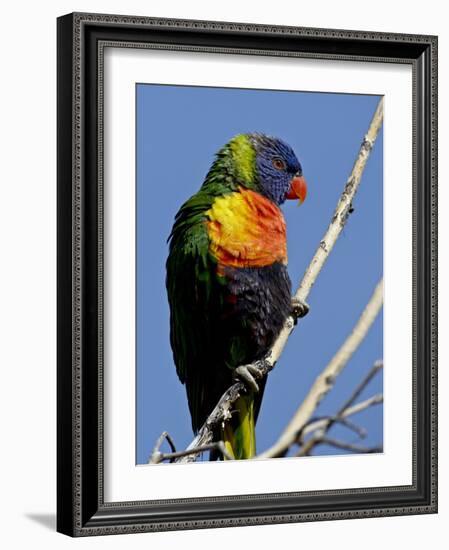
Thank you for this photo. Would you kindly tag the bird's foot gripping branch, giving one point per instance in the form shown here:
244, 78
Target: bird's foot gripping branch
248, 374
299, 308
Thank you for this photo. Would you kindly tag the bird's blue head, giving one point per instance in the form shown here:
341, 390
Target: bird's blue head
278, 170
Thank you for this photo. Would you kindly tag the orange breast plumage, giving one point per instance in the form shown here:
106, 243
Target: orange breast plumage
246, 230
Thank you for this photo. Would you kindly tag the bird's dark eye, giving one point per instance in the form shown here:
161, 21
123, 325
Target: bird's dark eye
279, 164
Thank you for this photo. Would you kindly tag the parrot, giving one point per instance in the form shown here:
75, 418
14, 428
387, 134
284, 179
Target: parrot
228, 288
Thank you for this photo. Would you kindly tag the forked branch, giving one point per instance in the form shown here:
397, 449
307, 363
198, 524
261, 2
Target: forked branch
320, 428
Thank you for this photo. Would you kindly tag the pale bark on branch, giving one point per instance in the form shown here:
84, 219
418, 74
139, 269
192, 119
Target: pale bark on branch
222, 410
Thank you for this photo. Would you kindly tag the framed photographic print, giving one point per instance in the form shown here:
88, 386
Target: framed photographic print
247, 289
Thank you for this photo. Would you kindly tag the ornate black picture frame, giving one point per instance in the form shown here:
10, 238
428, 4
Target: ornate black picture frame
81, 509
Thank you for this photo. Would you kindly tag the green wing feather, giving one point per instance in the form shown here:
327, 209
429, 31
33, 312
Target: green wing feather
189, 290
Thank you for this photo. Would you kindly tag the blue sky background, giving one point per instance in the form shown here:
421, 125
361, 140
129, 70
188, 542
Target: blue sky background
179, 129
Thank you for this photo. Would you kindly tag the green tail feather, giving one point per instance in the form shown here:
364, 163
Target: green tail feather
239, 434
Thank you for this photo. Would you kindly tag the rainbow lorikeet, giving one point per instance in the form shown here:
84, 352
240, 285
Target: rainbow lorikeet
228, 287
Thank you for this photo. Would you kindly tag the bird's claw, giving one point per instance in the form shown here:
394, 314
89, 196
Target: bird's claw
248, 374
299, 308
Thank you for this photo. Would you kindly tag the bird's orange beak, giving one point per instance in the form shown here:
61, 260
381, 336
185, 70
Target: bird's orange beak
298, 189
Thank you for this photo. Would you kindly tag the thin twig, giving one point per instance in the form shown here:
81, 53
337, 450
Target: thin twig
319, 423
342, 211
359, 430
353, 447
321, 428
156, 454
323, 420
158, 457
355, 394
358, 390
374, 400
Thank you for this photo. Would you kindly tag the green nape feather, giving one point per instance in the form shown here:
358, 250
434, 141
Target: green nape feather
239, 434
244, 158
235, 164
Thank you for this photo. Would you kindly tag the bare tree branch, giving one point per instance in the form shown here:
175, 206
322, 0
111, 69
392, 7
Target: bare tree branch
355, 394
319, 423
374, 400
353, 447
165, 436
222, 411
326, 380
157, 456
359, 430
358, 390
322, 427
323, 440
